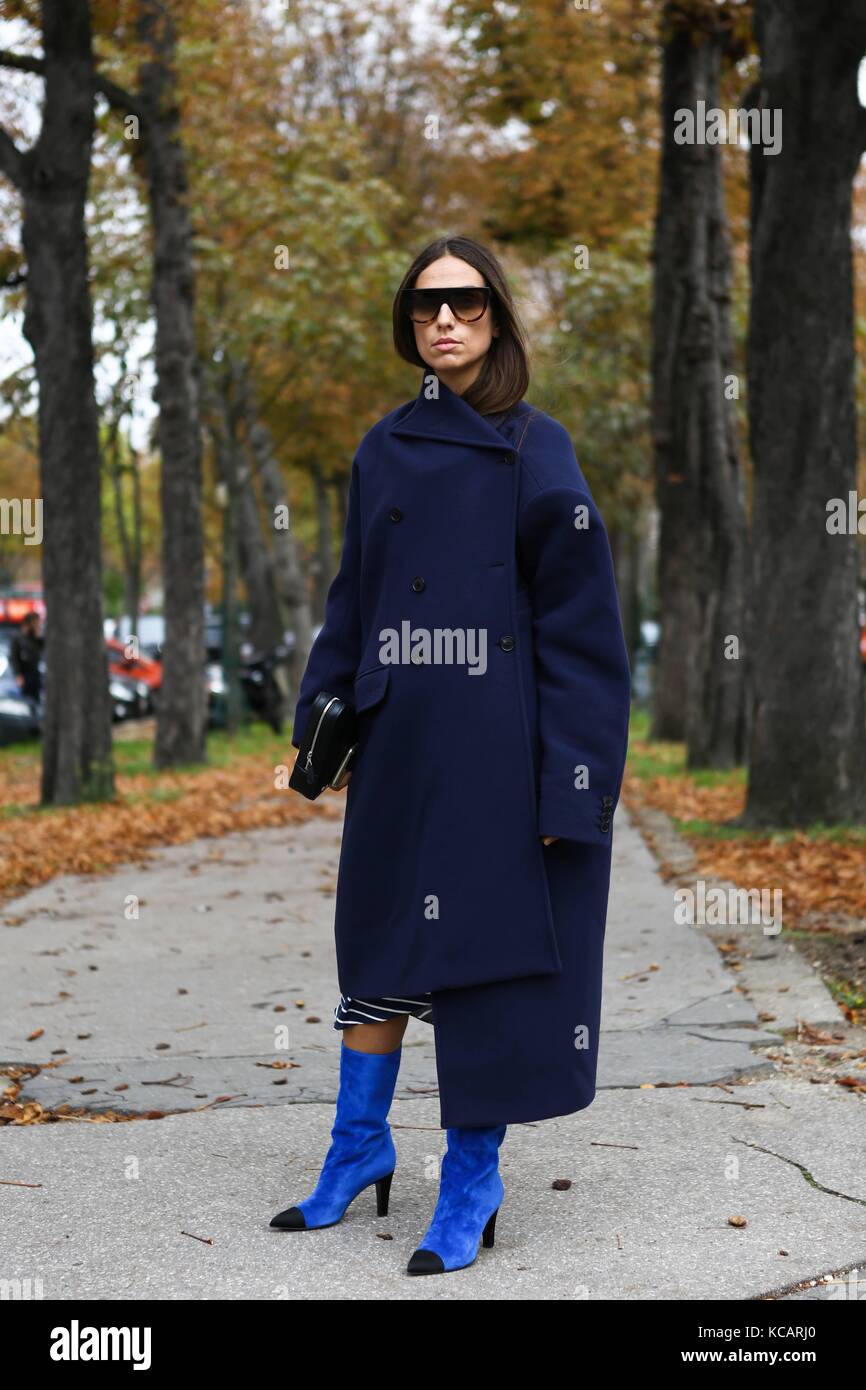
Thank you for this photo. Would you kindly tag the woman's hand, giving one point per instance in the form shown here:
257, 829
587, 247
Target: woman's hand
549, 839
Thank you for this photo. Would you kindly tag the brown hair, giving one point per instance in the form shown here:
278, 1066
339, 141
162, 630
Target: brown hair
504, 376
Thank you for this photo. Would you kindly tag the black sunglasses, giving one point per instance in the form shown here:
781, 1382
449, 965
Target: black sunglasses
466, 302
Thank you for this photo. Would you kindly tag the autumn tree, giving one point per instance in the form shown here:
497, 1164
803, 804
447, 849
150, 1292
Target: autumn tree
294, 312
51, 178
700, 686
808, 751
575, 79
150, 111
591, 371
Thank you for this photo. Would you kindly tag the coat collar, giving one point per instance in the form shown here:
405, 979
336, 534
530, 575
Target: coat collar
448, 419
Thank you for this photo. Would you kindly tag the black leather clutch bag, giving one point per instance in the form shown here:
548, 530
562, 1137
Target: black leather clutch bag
330, 739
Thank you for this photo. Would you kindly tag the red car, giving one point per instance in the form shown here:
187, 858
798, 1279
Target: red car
136, 668
14, 606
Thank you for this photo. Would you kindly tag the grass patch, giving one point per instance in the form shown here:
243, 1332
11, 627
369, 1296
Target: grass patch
156, 794
818, 833
712, 830
255, 747
647, 759
134, 757
845, 994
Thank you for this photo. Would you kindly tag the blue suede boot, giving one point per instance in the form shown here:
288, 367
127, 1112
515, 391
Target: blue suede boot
362, 1150
470, 1191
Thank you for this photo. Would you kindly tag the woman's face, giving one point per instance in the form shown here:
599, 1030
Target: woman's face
453, 349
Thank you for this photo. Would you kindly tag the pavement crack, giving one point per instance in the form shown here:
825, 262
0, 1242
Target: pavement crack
712, 998
735, 1042
826, 1279
813, 1181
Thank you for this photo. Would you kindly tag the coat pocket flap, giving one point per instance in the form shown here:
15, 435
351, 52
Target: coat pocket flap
370, 686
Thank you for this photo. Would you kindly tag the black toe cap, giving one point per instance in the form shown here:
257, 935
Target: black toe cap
292, 1219
425, 1262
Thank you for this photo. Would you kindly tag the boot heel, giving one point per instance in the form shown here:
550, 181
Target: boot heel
487, 1236
469, 1183
361, 1143
383, 1189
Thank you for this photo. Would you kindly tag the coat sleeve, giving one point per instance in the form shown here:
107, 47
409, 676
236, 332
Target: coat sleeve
581, 664
334, 656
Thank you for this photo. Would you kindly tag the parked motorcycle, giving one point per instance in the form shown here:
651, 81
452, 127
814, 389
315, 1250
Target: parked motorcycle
263, 680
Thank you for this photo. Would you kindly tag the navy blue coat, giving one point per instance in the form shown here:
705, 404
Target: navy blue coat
474, 623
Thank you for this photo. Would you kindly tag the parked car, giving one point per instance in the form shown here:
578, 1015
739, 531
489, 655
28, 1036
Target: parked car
129, 698
150, 631
20, 718
143, 671
15, 603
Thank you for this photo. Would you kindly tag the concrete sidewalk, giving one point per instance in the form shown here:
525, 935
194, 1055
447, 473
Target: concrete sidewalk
216, 1003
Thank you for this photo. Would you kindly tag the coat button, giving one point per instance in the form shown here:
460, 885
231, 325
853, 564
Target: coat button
507, 643
607, 801
395, 514
418, 584
507, 458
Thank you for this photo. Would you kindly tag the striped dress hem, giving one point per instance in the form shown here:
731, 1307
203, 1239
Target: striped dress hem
351, 1011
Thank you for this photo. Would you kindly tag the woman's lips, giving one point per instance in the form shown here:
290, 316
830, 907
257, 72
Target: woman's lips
446, 346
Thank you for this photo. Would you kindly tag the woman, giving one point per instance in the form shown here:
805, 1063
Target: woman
475, 626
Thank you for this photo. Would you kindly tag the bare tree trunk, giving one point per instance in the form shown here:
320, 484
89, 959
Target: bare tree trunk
266, 621
227, 460
130, 544
230, 606
133, 596
288, 573
323, 561
624, 547
808, 751
701, 687
256, 563
223, 433
52, 179
181, 714
677, 608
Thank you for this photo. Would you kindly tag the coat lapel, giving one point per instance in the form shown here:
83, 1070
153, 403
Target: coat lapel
448, 419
